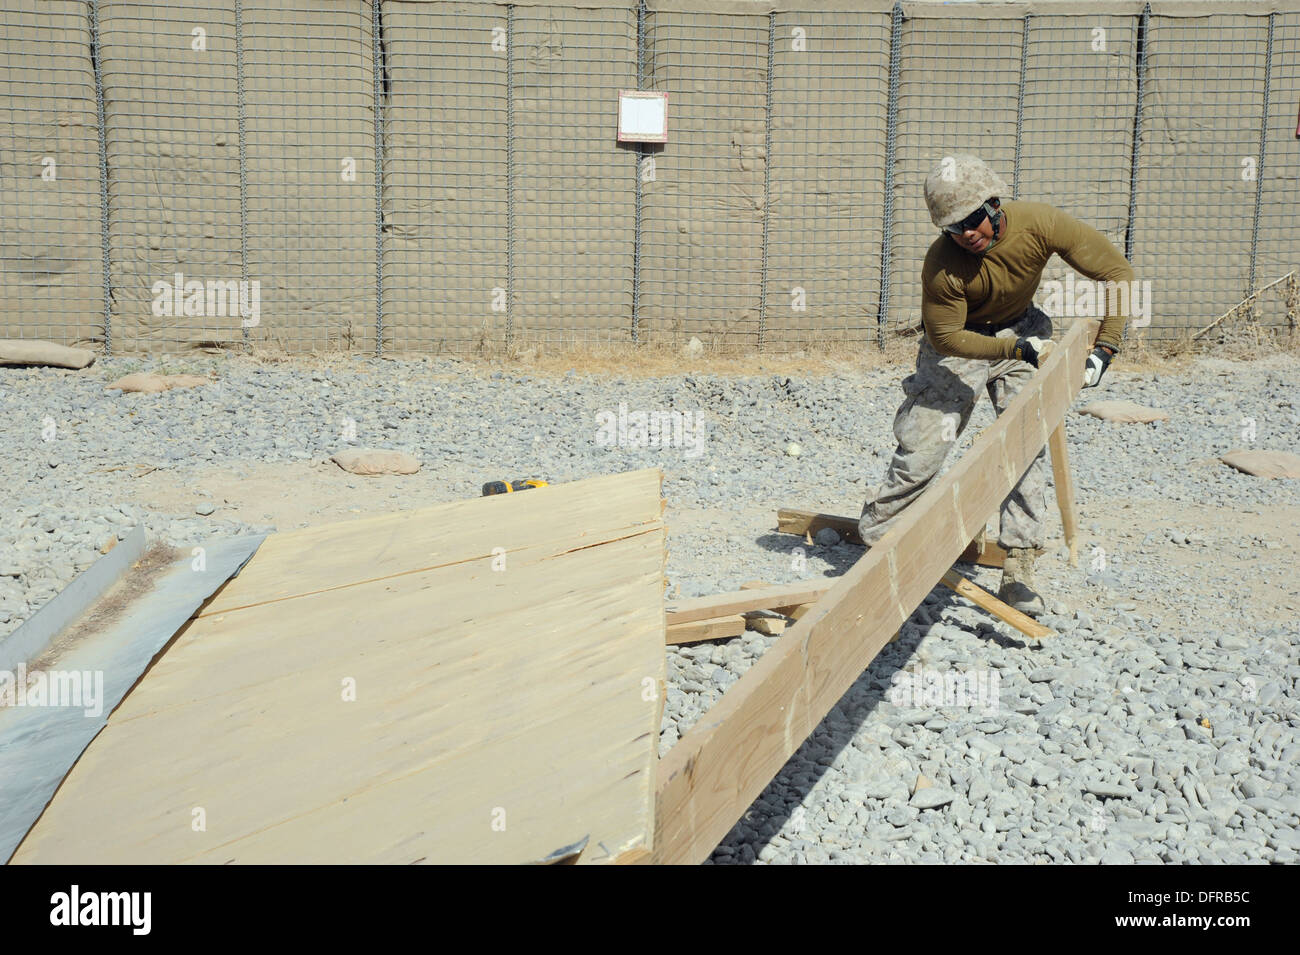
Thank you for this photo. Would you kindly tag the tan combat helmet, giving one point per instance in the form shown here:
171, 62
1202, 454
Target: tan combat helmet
958, 185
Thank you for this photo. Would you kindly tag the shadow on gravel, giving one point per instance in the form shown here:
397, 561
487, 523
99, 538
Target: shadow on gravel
777, 804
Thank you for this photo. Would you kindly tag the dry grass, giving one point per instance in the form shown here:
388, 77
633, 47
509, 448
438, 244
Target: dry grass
658, 359
645, 360
1243, 335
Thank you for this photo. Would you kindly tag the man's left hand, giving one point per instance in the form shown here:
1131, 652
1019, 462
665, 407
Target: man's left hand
1096, 365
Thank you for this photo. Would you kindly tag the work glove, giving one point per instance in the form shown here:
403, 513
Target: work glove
1032, 350
1096, 365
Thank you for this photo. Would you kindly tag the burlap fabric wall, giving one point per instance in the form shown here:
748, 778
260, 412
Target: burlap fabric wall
51, 273
1279, 236
1077, 136
1192, 229
702, 227
310, 125
957, 93
445, 220
547, 254
829, 103
172, 120
574, 191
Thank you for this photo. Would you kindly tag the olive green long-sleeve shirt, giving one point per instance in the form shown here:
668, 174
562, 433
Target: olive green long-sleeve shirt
962, 290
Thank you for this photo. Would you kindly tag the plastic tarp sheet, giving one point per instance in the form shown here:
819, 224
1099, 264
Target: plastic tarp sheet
39, 744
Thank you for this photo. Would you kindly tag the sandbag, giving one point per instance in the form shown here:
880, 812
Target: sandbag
14, 352
1265, 464
1124, 412
149, 383
371, 462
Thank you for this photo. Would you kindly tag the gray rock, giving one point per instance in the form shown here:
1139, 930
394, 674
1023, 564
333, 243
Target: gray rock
827, 537
1110, 790
1045, 774
1047, 674
901, 815
932, 798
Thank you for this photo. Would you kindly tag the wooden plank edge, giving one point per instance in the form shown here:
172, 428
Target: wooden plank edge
697, 631
741, 601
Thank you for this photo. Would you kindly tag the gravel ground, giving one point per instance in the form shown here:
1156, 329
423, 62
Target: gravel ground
1160, 725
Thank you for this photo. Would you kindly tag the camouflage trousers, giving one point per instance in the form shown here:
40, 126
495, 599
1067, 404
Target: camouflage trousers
941, 394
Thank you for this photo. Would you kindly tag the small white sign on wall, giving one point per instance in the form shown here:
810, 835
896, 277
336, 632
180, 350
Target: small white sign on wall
642, 117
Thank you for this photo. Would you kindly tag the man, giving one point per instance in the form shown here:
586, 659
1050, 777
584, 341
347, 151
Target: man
982, 331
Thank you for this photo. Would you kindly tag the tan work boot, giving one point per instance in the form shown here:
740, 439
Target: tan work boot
1017, 587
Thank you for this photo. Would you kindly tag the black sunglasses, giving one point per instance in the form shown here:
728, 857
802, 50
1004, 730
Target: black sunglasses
972, 221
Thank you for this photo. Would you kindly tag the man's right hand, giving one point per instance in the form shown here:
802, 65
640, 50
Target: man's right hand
1096, 365
1032, 350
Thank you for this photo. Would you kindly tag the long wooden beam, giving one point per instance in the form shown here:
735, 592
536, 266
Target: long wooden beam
723, 762
980, 551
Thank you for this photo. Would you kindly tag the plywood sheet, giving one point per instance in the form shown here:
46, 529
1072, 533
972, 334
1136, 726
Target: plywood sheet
500, 709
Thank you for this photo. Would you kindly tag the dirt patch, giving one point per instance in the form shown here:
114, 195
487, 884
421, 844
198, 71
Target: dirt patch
289, 494
1233, 554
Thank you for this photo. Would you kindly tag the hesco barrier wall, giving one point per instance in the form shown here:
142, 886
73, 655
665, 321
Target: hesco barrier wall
421, 175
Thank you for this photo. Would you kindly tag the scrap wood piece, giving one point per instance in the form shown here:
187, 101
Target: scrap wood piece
951, 579
714, 628
435, 713
1000, 609
722, 764
793, 520
795, 614
769, 598
791, 611
761, 621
